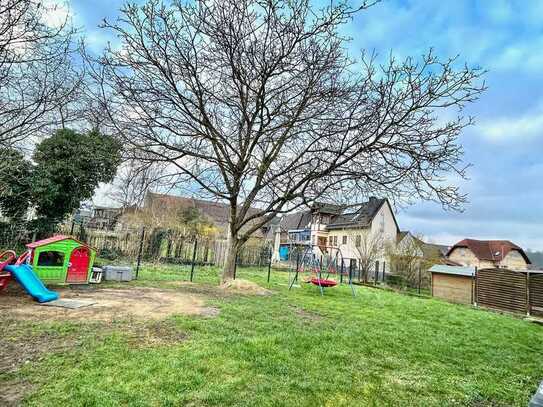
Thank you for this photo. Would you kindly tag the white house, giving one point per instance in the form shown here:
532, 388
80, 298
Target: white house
353, 233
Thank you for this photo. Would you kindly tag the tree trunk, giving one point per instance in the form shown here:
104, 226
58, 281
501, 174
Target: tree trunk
230, 262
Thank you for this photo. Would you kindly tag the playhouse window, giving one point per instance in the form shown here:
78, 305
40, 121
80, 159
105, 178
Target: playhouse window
51, 259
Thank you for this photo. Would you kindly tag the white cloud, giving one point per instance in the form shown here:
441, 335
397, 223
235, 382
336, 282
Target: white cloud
526, 126
520, 56
56, 13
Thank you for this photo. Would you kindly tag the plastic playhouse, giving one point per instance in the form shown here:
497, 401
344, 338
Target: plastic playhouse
57, 260
61, 260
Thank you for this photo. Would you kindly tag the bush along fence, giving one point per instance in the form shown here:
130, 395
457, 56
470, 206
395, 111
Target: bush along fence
166, 247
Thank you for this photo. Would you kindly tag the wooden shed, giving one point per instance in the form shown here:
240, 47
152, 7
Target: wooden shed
452, 283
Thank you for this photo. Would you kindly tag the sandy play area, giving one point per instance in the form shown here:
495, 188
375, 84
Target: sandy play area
109, 304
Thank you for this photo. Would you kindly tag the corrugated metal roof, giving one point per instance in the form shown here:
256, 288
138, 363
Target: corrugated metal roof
459, 271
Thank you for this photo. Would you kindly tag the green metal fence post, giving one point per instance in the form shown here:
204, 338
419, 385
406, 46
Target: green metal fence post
193, 259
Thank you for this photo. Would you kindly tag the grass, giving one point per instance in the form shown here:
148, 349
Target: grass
290, 349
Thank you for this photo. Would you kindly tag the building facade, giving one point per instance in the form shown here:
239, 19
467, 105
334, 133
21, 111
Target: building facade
489, 254
353, 233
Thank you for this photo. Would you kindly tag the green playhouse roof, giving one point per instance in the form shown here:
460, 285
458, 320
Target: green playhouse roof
54, 239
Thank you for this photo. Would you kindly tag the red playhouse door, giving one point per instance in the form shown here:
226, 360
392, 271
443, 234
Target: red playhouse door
78, 267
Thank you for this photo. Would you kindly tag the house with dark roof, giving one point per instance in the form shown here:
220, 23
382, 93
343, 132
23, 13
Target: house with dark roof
217, 213
489, 254
328, 227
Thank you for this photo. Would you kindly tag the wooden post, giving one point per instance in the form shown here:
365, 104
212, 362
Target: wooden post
206, 253
528, 305
476, 289
140, 250
193, 259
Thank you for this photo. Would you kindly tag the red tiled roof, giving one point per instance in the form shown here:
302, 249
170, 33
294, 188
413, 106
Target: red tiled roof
493, 250
53, 239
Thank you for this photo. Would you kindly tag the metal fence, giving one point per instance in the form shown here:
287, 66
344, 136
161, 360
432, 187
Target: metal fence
150, 245
378, 274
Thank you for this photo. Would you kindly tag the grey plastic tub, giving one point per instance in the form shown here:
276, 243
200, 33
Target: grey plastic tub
118, 273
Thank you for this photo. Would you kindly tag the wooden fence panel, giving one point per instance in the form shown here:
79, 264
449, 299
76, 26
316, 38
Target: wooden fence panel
502, 289
536, 294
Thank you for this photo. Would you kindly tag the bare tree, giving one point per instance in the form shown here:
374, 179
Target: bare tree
370, 248
37, 75
258, 103
134, 180
411, 258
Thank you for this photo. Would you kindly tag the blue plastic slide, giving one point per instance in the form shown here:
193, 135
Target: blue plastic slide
31, 283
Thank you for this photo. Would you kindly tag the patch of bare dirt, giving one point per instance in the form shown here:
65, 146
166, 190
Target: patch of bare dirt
245, 287
110, 304
19, 349
305, 315
13, 392
155, 334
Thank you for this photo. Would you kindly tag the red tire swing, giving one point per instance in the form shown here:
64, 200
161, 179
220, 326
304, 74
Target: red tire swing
317, 278
323, 282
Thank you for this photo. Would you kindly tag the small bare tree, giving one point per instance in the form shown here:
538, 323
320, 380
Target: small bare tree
134, 180
411, 258
257, 103
38, 79
370, 248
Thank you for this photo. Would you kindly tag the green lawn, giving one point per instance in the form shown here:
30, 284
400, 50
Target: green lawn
288, 349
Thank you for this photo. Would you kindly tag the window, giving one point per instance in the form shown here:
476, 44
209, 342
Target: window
335, 240
358, 241
51, 259
344, 240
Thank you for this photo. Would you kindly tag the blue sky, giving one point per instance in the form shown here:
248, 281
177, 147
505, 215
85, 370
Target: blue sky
506, 144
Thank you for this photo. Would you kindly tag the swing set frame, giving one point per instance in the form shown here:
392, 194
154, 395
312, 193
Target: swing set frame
316, 266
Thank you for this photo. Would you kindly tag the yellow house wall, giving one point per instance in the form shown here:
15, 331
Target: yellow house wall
464, 256
514, 261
